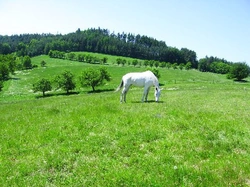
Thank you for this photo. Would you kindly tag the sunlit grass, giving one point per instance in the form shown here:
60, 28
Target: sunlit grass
197, 135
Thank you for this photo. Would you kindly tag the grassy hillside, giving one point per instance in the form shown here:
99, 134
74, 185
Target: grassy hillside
198, 135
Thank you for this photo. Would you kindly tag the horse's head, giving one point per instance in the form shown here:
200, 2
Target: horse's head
157, 94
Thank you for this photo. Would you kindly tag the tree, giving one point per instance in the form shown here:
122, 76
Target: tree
4, 72
94, 77
43, 63
174, 65
43, 85
65, 81
155, 72
5, 48
27, 62
239, 71
80, 57
71, 56
188, 66
104, 60
123, 62
135, 62
181, 66
118, 61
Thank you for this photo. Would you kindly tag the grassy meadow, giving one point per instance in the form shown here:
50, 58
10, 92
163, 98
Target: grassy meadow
197, 135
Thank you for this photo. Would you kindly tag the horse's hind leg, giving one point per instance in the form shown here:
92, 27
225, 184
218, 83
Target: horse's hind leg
124, 93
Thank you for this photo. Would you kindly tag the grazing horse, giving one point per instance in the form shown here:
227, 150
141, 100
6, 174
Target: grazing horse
143, 79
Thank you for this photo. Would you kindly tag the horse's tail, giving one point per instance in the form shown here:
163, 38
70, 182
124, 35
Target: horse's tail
119, 87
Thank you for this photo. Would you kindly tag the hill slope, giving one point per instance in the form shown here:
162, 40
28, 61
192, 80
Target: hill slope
197, 135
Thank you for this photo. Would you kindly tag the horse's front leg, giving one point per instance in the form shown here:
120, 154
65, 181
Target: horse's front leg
145, 94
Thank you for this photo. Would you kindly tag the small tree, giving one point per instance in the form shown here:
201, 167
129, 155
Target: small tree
123, 62
65, 81
168, 65
135, 62
175, 65
43, 85
156, 64
239, 71
181, 66
155, 72
104, 60
94, 77
188, 66
118, 61
27, 62
43, 63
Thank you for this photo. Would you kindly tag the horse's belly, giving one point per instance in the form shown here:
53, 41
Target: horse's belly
140, 82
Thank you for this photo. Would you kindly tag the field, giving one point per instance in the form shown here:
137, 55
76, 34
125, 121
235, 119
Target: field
197, 135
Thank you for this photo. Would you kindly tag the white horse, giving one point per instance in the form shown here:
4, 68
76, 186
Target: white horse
143, 79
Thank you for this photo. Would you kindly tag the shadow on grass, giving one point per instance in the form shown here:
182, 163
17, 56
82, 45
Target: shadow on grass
241, 81
14, 78
100, 91
56, 94
149, 101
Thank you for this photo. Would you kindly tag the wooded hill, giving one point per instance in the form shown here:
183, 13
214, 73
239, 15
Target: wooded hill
103, 41
99, 41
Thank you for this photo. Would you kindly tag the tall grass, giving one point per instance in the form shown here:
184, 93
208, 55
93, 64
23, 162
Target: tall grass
197, 135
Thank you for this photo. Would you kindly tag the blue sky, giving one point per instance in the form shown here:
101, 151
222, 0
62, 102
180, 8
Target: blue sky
209, 27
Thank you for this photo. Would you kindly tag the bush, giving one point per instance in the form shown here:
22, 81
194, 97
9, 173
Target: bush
239, 71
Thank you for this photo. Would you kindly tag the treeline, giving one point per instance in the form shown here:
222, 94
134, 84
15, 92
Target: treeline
100, 41
92, 59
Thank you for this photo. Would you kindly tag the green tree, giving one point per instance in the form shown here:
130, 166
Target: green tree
163, 64
71, 56
145, 63
239, 71
43, 63
168, 65
4, 72
174, 65
118, 61
21, 49
104, 60
156, 64
181, 66
155, 71
65, 81
43, 85
188, 66
123, 62
80, 57
27, 62
94, 77
5, 48
135, 62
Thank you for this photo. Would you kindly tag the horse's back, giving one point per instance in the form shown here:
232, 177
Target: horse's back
139, 78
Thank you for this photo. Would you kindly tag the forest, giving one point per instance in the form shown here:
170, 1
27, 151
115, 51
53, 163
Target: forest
99, 41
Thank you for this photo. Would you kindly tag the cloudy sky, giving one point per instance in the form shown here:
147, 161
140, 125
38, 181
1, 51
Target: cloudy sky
214, 28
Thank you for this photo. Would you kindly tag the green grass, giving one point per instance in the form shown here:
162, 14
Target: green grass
198, 135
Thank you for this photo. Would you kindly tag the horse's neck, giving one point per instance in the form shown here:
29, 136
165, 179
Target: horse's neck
156, 83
